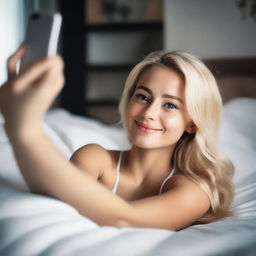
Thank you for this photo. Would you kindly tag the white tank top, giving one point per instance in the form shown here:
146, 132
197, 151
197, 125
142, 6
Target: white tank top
118, 176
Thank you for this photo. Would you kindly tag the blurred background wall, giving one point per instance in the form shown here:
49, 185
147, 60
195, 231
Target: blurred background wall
12, 25
210, 29
101, 40
13, 20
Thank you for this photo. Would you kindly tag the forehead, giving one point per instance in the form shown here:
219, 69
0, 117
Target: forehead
162, 79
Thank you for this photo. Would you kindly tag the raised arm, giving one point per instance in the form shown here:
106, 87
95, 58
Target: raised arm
23, 102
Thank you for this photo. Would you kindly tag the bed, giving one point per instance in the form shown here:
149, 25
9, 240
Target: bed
32, 224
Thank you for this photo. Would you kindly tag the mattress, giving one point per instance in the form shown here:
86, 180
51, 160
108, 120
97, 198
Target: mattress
32, 224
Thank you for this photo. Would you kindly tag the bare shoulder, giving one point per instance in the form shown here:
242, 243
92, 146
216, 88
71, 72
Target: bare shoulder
182, 203
91, 149
92, 158
191, 191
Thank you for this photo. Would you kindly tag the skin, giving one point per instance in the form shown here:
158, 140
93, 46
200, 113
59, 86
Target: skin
155, 120
85, 182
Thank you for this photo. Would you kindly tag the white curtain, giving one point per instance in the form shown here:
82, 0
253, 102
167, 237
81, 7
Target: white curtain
13, 18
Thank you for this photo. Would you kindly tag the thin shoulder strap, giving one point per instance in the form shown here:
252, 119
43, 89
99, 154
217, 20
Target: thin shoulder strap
117, 174
168, 177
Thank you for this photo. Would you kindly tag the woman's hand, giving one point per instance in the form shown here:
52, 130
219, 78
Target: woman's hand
24, 99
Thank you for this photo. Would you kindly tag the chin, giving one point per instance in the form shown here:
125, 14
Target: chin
140, 143
151, 144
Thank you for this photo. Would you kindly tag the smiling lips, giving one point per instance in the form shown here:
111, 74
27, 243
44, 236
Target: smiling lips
146, 128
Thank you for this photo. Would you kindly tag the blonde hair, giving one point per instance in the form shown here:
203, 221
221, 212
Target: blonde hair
196, 155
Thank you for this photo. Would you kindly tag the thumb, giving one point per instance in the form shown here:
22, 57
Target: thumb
13, 60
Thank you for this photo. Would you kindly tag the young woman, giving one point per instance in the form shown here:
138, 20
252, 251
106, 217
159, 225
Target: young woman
173, 175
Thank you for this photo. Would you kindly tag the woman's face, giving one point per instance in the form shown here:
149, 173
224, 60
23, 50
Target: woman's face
156, 115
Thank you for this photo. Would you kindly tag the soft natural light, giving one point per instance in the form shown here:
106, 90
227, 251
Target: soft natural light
11, 31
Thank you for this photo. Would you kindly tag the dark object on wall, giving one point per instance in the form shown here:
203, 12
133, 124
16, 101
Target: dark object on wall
94, 75
248, 8
73, 47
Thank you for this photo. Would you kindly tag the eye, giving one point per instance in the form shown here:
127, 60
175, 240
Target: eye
170, 106
142, 97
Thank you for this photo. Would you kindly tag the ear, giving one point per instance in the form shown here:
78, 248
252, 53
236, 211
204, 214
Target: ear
191, 129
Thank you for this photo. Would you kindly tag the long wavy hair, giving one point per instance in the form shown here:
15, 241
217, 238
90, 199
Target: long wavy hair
195, 155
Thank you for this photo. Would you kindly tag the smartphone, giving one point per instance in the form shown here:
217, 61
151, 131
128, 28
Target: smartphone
42, 37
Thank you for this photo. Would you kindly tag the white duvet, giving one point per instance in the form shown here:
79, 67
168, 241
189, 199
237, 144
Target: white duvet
32, 224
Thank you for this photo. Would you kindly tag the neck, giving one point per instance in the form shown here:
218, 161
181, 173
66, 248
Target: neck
149, 163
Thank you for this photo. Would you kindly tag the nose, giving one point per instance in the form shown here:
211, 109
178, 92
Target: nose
151, 111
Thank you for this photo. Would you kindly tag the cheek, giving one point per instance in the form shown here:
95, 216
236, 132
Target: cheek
175, 125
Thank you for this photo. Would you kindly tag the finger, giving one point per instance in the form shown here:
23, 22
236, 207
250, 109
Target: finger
48, 87
50, 81
13, 60
37, 71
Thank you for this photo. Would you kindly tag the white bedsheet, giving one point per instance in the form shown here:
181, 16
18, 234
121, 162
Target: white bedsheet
37, 225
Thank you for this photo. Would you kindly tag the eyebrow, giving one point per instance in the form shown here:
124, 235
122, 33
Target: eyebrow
164, 95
